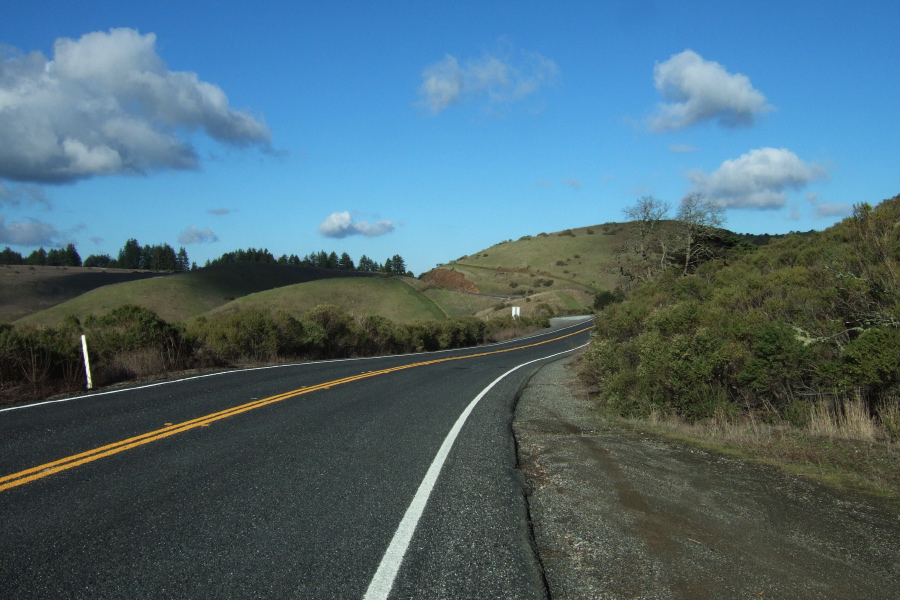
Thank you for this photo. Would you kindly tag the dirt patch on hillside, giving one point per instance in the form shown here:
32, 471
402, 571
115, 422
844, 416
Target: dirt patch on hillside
620, 514
28, 289
450, 280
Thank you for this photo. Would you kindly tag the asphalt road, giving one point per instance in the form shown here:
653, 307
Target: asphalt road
285, 482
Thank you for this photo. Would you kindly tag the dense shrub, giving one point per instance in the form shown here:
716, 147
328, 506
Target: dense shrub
131, 342
251, 335
805, 317
41, 359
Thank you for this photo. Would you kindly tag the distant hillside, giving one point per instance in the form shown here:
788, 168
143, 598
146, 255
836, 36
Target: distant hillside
562, 270
548, 273
176, 297
392, 298
25, 289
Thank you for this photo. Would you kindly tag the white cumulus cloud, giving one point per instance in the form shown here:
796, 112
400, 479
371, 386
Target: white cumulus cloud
758, 179
697, 90
30, 233
341, 225
104, 104
499, 79
192, 235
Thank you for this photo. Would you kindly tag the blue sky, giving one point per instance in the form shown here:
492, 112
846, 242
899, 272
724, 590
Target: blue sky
433, 129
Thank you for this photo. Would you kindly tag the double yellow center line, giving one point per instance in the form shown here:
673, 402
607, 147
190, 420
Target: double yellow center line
41, 471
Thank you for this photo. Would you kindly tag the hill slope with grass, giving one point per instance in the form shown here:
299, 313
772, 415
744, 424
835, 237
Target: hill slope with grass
559, 272
176, 297
390, 297
545, 274
27, 289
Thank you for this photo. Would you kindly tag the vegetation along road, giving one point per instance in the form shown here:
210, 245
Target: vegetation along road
340, 479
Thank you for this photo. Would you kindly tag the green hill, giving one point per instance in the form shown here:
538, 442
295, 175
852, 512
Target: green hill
543, 274
176, 297
561, 271
392, 298
27, 289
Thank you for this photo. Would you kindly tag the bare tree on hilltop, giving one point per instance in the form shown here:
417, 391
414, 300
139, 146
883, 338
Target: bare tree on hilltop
658, 244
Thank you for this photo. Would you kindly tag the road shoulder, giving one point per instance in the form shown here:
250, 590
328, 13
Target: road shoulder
620, 514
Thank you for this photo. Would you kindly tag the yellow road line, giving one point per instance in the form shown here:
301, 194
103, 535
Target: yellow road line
40, 471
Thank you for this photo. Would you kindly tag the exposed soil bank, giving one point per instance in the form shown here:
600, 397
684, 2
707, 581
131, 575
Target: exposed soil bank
618, 514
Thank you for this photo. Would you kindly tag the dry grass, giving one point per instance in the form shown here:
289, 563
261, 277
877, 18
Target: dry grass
847, 419
133, 364
841, 445
511, 333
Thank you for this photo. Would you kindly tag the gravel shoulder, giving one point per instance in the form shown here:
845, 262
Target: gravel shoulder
621, 514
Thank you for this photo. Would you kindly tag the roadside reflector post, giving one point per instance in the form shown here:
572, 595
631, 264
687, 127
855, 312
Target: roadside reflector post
87, 362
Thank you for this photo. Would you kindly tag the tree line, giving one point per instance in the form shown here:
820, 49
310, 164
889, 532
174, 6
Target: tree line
162, 257
55, 257
322, 259
152, 257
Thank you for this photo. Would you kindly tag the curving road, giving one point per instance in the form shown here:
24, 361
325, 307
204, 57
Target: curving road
334, 479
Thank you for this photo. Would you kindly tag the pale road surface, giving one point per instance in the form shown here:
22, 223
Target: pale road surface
618, 515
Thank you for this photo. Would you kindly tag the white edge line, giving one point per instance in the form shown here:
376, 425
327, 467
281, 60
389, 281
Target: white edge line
312, 362
384, 577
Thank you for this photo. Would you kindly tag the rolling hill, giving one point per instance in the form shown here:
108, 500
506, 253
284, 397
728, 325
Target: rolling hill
180, 296
542, 274
393, 298
26, 289
561, 270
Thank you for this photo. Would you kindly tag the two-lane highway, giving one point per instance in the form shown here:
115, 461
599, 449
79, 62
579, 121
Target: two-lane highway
342, 479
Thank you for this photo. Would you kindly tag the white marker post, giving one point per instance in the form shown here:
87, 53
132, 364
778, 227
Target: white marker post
516, 312
87, 362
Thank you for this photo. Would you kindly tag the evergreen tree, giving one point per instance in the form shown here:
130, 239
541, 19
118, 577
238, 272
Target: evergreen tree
249, 255
333, 261
38, 257
388, 266
346, 262
10, 257
181, 260
98, 260
158, 258
55, 258
398, 265
130, 255
71, 257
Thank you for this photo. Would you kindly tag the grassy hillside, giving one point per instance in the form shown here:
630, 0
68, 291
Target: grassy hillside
587, 254
27, 289
387, 297
180, 296
561, 270
542, 274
